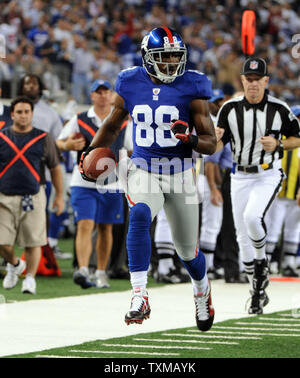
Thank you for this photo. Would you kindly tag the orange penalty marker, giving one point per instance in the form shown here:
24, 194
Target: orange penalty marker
285, 279
248, 31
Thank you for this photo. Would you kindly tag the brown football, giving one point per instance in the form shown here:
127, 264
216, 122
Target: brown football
100, 161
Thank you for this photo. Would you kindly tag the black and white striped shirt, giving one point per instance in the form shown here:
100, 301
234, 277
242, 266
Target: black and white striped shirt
245, 124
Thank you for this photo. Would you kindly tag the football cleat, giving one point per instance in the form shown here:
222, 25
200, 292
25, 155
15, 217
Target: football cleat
139, 309
289, 271
258, 301
205, 312
259, 298
261, 275
161, 44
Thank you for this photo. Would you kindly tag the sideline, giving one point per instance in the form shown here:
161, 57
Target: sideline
37, 325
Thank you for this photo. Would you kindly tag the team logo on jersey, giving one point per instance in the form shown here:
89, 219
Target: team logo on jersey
155, 94
253, 65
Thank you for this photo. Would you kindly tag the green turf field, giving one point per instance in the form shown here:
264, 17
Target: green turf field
63, 286
274, 335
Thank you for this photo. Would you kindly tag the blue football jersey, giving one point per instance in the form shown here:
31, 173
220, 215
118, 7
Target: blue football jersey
152, 108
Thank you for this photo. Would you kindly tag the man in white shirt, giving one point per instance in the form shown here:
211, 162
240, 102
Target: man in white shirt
90, 206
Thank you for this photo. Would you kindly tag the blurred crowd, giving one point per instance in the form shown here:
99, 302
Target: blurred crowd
70, 43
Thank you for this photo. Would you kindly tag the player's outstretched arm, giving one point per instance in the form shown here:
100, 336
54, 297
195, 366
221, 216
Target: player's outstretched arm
110, 129
204, 126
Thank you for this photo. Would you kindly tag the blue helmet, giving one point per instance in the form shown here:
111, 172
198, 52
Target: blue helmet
156, 45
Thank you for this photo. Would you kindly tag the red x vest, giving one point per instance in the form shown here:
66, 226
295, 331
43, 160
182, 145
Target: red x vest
21, 161
88, 129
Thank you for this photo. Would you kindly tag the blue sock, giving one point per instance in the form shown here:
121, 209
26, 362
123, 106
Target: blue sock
196, 267
138, 238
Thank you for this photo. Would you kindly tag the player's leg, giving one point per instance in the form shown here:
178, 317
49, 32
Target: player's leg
240, 191
167, 271
291, 239
32, 235
241, 187
145, 199
8, 233
109, 211
263, 193
84, 205
211, 224
274, 221
182, 211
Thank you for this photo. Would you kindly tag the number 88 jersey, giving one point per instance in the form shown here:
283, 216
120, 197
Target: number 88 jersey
152, 108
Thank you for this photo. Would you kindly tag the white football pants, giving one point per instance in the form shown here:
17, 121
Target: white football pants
252, 195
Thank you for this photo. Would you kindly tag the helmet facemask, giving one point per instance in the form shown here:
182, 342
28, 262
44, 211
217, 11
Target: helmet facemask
154, 60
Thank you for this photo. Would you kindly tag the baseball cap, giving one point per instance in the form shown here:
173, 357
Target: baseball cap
218, 94
257, 66
296, 110
99, 83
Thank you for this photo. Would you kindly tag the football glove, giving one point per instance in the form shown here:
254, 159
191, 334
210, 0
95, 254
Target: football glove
180, 129
80, 165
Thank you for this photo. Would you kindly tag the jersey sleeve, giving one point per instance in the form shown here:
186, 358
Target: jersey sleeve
222, 122
123, 85
201, 84
290, 123
69, 128
51, 152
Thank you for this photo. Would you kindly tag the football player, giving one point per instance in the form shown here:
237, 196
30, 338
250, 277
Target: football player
165, 102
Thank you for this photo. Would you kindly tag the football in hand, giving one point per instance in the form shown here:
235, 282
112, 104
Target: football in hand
100, 161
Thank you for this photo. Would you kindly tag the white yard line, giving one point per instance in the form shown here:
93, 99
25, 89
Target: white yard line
150, 346
247, 333
36, 325
123, 352
58, 356
258, 328
268, 324
205, 336
279, 319
186, 341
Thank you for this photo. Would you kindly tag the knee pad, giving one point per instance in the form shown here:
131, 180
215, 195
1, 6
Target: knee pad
138, 238
140, 213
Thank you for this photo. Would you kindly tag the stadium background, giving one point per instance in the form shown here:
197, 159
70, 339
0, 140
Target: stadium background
70, 43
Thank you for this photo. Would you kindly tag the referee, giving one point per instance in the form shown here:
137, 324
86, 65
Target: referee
254, 124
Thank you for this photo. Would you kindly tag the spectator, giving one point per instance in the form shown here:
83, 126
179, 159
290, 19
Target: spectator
5, 118
23, 217
44, 116
91, 207
83, 63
